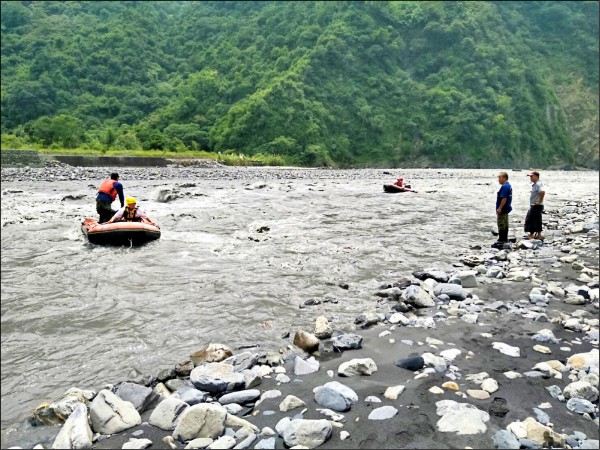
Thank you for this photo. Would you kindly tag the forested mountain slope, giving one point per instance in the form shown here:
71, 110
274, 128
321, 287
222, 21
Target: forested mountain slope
456, 84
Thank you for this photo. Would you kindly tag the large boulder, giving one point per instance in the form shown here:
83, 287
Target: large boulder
460, 418
139, 396
581, 389
201, 421
541, 434
76, 432
336, 396
109, 414
416, 296
216, 378
586, 361
242, 361
365, 366
307, 433
240, 397
58, 411
166, 415
454, 291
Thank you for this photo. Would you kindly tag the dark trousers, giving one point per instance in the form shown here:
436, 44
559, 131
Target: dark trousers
105, 211
533, 221
502, 227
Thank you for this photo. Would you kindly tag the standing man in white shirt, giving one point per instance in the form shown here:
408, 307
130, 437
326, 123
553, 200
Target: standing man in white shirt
533, 221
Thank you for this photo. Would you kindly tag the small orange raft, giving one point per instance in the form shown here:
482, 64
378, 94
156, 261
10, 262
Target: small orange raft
119, 233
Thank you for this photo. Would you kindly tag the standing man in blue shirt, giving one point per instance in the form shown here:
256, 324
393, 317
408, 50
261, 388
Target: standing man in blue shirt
503, 208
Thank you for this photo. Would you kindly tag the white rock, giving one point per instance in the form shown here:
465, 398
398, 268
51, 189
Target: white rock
433, 360
383, 413
305, 367
521, 275
518, 429
490, 385
266, 432
290, 402
273, 393
432, 341
166, 415
470, 318
322, 328
467, 278
76, 432
477, 378
393, 392
109, 414
331, 414
460, 418
588, 361
201, 421
365, 366
478, 394
507, 349
450, 354
224, 442
133, 443
399, 318
581, 389
308, 433
436, 390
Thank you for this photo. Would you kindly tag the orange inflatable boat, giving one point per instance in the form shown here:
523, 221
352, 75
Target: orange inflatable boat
119, 233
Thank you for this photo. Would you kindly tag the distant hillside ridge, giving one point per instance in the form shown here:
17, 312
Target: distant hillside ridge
342, 84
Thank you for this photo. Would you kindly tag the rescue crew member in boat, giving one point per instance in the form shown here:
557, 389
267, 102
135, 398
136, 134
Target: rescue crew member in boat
107, 192
400, 183
131, 213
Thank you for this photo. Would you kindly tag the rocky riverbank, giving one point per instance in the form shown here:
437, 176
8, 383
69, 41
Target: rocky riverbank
499, 351
198, 170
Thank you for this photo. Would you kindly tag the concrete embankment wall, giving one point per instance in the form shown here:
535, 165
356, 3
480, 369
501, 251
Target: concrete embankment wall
33, 158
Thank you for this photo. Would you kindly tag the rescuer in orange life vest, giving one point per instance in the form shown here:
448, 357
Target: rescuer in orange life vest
130, 213
107, 192
400, 183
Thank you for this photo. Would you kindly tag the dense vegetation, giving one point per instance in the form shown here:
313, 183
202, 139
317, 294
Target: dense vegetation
458, 84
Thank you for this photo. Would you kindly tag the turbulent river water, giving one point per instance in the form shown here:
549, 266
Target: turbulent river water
240, 250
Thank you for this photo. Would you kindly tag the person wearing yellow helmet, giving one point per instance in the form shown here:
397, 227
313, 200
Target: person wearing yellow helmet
130, 213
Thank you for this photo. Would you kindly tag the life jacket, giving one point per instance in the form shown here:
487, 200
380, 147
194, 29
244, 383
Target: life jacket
108, 187
129, 215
